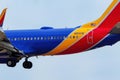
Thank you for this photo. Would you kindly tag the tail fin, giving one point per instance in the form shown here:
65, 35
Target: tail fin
2, 16
110, 17
108, 11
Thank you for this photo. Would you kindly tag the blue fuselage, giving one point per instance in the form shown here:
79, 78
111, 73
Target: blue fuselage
37, 42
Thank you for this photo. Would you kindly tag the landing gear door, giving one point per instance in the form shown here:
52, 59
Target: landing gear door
90, 38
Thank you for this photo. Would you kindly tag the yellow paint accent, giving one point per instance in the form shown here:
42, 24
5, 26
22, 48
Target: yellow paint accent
3, 13
68, 42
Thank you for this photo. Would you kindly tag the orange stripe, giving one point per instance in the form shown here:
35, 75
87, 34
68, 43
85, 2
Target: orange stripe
3, 13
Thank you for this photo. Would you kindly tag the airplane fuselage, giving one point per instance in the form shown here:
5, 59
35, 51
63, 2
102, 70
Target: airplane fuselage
42, 41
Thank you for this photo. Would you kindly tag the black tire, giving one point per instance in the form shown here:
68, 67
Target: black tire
27, 65
11, 63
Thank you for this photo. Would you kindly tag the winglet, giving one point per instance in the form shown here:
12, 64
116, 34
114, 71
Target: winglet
2, 16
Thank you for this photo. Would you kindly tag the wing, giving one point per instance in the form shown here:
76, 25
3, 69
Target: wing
5, 44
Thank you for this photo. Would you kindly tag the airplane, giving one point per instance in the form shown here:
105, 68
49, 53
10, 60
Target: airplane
47, 41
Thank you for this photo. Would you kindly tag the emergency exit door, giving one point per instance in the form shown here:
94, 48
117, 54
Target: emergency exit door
90, 38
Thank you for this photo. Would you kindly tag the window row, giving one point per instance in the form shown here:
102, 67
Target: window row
42, 38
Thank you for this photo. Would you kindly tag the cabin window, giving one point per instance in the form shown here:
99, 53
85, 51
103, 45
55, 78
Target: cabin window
34, 38
73, 37
31, 38
24, 38
54, 37
64, 37
15, 39
28, 38
51, 38
45, 38
76, 37
38, 38
41, 38
70, 37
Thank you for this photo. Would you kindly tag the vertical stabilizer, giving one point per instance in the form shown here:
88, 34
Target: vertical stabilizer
2, 16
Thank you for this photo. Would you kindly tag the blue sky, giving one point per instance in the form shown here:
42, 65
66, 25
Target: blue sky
99, 64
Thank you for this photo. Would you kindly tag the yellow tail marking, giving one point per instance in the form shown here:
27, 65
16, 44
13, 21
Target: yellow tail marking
3, 13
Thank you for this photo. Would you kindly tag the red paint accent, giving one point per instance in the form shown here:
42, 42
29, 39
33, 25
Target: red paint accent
99, 33
2, 19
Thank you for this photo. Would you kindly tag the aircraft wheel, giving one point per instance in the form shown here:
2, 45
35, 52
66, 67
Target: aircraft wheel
27, 64
11, 63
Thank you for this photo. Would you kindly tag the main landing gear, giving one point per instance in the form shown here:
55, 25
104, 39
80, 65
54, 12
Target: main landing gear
26, 64
11, 63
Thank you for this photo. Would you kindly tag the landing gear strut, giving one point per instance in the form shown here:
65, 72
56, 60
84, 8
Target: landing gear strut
27, 64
